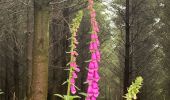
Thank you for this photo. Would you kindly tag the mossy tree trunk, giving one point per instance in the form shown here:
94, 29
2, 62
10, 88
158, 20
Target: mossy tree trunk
40, 51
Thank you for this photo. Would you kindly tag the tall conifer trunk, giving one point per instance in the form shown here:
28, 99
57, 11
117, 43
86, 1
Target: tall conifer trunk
127, 50
16, 57
40, 51
29, 47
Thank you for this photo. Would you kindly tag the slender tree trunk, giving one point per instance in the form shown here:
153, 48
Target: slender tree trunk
16, 57
29, 43
16, 73
7, 91
40, 53
127, 50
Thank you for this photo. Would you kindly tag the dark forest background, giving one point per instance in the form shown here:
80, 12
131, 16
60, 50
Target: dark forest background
135, 41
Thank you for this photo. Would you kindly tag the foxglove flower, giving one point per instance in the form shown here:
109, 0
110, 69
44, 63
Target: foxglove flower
93, 75
73, 54
73, 89
73, 64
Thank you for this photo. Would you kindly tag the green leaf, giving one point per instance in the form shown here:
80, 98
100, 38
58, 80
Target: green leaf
70, 97
65, 82
67, 69
86, 68
68, 52
87, 61
76, 87
83, 94
68, 64
58, 95
85, 82
69, 38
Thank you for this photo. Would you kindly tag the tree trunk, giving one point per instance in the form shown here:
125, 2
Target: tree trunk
29, 47
127, 50
16, 73
16, 57
40, 53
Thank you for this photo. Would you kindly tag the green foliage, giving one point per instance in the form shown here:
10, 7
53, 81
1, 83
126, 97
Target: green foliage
133, 90
65, 97
83, 94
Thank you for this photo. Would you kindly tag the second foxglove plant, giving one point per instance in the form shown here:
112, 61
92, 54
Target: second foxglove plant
73, 54
73, 67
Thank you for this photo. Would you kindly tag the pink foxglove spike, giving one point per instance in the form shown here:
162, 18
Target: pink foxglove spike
93, 75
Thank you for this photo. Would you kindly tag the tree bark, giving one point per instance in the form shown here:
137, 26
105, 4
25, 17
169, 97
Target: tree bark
40, 53
127, 50
16, 57
29, 47
16, 73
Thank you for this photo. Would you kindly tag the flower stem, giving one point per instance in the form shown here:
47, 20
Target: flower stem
71, 68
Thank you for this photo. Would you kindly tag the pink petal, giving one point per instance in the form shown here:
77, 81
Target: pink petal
95, 90
73, 89
94, 36
93, 56
91, 46
91, 65
96, 94
95, 45
90, 91
95, 85
97, 42
77, 69
73, 64
93, 14
91, 70
93, 98
98, 55
72, 81
89, 82
89, 76
74, 75
96, 76
95, 64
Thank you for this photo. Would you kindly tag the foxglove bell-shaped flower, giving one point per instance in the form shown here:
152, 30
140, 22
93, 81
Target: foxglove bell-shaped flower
73, 89
94, 36
93, 46
93, 75
91, 65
